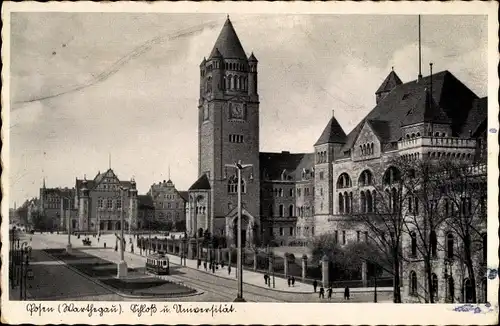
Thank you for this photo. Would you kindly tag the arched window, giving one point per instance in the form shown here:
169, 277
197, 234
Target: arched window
418, 134
413, 135
282, 211
394, 200
391, 175
280, 192
413, 283
236, 82
290, 210
232, 185
344, 181
341, 203
365, 179
433, 243
371, 149
209, 84
362, 202
374, 200
449, 245
229, 82
435, 286
413, 244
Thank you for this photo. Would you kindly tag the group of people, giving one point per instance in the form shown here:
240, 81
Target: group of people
347, 294
212, 265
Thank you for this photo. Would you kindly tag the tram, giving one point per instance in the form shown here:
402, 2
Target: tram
158, 264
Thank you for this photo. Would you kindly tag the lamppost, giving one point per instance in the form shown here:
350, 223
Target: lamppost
239, 167
68, 246
122, 265
23, 252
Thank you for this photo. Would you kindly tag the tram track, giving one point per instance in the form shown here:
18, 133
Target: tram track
219, 289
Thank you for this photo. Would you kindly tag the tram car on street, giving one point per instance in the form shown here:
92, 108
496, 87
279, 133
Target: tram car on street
158, 264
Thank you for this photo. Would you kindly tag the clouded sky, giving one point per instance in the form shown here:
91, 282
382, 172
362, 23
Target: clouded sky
87, 84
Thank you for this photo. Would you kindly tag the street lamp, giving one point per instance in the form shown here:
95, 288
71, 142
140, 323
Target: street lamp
239, 167
68, 246
122, 265
23, 252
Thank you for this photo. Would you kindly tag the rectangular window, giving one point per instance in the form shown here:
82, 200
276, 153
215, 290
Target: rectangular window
321, 175
336, 236
299, 192
281, 232
118, 204
321, 191
100, 203
366, 236
343, 237
312, 230
291, 230
291, 192
110, 203
168, 205
358, 234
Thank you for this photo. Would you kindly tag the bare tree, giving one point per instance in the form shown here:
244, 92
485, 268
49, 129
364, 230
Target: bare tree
464, 186
423, 216
381, 215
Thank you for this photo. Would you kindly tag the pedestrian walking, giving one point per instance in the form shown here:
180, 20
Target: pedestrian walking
205, 265
346, 293
289, 280
293, 280
265, 279
315, 285
229, 270
198, 263
321, 292
330, 290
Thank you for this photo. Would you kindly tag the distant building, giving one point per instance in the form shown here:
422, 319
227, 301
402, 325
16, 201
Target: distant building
145, 211
57, 206
169, 203
101, 201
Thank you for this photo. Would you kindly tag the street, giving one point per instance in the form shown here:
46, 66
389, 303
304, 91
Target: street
55, 281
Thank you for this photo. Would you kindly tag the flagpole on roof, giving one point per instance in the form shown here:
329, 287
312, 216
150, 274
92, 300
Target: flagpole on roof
419, 50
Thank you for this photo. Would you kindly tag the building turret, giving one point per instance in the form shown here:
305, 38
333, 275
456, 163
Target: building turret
390, 82
327, 149
215, 65
252, 78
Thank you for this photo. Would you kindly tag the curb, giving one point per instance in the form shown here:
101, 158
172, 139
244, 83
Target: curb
124, 295
234, 279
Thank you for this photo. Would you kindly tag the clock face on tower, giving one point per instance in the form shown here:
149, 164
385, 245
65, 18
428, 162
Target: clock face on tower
237, 110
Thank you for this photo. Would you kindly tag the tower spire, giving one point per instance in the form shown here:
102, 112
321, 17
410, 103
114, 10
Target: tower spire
43, 186
169, 172
419, 50
109, 160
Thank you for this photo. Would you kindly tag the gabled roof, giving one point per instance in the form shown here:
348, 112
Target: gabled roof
380, 128
201, 184
425, 110
228, 43
272, 164
477, 117
333, 133
392, 80
450, 94
252, 58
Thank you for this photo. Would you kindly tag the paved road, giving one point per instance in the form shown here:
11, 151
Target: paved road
214, 288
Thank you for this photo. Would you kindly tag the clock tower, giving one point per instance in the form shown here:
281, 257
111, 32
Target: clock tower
228, 132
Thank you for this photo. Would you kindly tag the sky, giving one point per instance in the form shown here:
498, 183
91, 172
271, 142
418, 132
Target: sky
86, 86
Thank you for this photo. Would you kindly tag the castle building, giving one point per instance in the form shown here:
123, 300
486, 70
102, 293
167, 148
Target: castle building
101, 201
287, 198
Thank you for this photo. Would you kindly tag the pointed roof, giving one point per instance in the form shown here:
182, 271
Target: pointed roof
228, 43
215, 54
333, 133
425, 110
252, 58
201, 184
392, 80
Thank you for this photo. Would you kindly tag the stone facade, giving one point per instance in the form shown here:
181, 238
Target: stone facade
168, 202
101, 202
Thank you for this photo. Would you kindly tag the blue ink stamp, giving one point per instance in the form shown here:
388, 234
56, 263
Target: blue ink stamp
492, 274
493, 130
